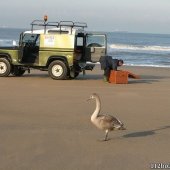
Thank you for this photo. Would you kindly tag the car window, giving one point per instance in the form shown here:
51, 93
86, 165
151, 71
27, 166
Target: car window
31, 38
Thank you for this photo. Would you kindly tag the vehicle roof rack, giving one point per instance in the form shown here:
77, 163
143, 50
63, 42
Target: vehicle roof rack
60, 24
72, 24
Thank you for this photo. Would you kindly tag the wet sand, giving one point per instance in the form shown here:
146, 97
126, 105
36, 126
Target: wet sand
45, 124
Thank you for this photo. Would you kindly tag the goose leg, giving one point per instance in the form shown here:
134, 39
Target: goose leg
106, 135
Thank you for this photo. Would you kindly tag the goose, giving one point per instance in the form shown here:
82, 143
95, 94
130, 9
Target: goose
104, 122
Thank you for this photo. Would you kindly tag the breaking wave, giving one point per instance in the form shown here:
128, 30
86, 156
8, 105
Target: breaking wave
7, 42
135, 48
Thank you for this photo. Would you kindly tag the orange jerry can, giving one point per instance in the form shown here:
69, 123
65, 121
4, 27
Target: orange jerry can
118, 77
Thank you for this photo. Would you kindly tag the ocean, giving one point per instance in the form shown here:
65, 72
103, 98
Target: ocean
140, 49
136, 49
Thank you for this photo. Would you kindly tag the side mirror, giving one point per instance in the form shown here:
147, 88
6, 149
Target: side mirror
14, 43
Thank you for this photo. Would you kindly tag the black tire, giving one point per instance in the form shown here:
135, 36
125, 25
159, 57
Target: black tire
5, 67
58, 70
18, 71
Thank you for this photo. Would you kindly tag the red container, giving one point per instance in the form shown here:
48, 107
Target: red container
118, 77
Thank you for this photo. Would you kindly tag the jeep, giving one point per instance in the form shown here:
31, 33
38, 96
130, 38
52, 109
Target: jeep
64, 49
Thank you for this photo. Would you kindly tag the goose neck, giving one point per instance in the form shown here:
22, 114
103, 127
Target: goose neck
97, 109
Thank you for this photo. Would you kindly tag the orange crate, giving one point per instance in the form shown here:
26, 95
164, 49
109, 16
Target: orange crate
118, 77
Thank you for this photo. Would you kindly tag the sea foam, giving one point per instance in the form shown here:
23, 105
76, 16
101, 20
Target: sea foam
126, 47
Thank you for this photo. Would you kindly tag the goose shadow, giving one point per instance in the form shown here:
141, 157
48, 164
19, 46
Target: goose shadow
139, 134
145, 133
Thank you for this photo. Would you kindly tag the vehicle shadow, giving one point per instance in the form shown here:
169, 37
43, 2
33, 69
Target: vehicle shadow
144, 79
34, 75
147, 79
90, 77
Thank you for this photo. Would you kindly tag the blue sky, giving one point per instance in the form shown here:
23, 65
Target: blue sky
152, 16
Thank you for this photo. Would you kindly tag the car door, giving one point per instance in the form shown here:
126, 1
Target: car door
29, 48
96, 46
21, 48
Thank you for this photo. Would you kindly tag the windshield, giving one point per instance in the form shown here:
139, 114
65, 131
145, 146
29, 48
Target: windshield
31, 38
96, 40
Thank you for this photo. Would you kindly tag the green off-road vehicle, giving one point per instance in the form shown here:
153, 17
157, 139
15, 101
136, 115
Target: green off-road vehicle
64, 49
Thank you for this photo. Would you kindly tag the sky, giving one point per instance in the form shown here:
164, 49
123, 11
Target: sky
145, 16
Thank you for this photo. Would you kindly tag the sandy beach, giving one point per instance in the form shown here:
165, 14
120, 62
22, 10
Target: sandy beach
45, 124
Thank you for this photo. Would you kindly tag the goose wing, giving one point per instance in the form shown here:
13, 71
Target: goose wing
109, 122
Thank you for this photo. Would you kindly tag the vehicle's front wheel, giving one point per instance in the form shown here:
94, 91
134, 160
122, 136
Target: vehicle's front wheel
58, 70
5, 67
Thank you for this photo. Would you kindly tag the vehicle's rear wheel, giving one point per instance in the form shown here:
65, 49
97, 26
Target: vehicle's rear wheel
5, 67
58, 70
18, 71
